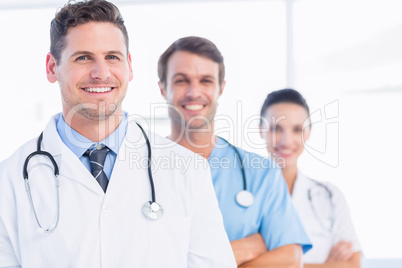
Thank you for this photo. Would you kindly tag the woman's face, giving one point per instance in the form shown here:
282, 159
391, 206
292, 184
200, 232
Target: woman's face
284, 133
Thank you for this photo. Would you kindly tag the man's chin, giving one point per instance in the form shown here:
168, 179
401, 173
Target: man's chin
202, 125
95, 115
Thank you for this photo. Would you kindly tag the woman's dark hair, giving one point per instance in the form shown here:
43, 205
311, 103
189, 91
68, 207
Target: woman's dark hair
283, 95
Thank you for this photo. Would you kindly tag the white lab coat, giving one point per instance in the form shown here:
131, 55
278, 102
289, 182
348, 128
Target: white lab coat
110, 230
322, 236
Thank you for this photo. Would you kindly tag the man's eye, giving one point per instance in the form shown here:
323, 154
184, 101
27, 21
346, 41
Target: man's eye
180, 81
82, 58
206, 81
112, 57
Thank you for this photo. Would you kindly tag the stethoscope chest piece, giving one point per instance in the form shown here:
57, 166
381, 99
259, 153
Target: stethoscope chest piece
152, 210
244, 198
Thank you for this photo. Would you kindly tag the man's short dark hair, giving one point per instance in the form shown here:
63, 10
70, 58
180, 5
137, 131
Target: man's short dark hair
74, 14
280, 96
193, 44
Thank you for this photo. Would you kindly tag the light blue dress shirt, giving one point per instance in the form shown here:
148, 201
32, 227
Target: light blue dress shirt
272, 213
78, 144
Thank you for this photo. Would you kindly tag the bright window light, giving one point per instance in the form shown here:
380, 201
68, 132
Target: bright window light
348, 58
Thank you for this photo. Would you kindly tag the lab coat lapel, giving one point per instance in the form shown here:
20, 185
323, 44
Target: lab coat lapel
69, 164
300, 188
127, 165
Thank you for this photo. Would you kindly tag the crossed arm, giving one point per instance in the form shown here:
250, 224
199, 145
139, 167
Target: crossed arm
251, 251
340, 256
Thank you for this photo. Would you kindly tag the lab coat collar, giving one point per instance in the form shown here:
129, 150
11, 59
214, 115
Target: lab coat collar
71, 167
132, 147
301, 185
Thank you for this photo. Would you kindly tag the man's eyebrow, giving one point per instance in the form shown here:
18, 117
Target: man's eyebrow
179, 74
84, 52
209, 76
114, 52
81, 52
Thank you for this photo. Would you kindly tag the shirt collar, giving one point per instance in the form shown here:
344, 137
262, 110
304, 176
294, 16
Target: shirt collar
217, 150
78, 144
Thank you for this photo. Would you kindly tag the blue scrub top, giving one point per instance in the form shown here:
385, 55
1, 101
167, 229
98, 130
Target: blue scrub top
272, 213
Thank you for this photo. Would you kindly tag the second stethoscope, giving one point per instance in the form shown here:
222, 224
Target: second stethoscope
332, 207
151, 209
244, 198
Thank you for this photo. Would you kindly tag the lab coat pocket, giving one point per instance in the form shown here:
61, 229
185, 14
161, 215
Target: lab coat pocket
173, 231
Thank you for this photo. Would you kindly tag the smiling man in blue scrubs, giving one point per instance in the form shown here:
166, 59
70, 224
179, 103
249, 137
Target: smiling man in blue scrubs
268, 233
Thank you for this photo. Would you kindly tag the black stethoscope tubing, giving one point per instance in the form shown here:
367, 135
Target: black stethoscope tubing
151, 209
151, 180
243, 198
241, 166
310, 199
39, 152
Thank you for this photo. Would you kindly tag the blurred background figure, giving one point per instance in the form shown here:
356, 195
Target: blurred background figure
285, 126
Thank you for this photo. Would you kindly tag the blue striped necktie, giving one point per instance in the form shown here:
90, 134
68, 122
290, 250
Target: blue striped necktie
97, 158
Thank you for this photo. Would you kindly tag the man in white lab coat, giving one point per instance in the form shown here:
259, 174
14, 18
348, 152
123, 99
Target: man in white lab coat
102, 208
259, 217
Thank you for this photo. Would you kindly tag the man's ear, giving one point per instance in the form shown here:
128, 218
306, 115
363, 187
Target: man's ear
223, 84
162, 89
51, 68
130, 67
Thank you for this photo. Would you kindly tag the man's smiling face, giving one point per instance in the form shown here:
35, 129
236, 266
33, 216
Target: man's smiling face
192, 87
94, 70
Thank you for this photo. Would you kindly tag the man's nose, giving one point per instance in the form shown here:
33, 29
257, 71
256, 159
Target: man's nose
193, 90
100, 71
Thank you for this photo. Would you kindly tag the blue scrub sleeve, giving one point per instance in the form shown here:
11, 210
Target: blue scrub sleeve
281, 224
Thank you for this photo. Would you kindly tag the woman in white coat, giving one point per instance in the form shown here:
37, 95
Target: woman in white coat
285, 126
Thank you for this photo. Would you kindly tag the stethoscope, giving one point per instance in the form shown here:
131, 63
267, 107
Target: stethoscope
244, 198
151, 209
332, 216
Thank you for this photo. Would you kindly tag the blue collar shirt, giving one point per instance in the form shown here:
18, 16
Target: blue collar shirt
78, 144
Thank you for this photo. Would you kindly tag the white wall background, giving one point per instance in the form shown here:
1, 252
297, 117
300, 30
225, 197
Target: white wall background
348, 58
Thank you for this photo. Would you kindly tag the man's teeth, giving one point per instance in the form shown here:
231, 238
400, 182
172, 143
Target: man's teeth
98, 89
285, 151
194, 107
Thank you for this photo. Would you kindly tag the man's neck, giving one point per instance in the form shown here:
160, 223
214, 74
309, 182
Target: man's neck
94, 130
199, 141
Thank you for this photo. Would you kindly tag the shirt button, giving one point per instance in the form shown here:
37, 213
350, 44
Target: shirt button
105, 208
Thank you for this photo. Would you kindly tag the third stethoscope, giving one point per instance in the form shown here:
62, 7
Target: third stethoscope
332, 216
151, 209
244, 198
